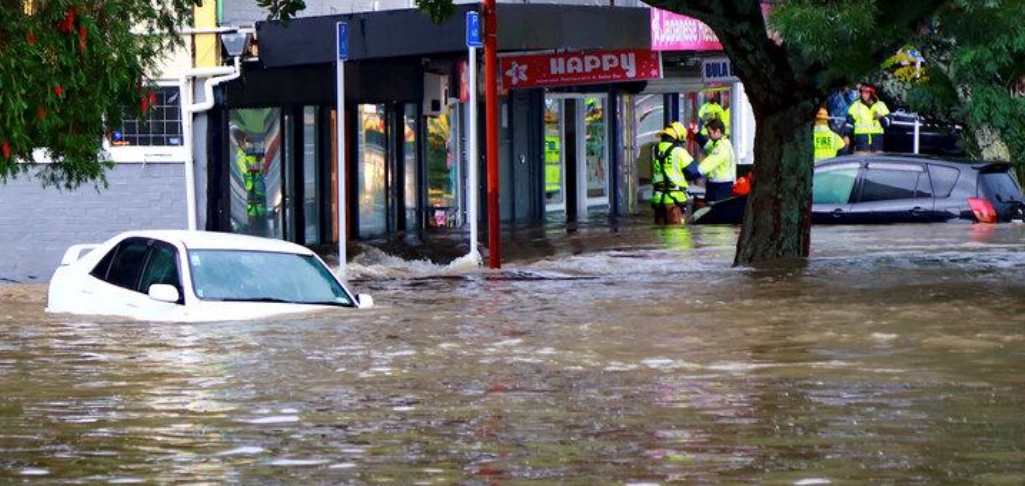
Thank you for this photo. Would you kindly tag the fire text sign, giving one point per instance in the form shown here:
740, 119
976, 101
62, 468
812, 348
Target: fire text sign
591, 67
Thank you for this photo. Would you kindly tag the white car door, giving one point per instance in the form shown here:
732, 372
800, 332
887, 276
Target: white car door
120, 282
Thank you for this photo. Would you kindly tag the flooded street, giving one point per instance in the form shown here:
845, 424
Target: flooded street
897, 356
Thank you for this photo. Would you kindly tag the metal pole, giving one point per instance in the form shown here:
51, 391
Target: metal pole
340, 135
472, 156
918, 123
491, 113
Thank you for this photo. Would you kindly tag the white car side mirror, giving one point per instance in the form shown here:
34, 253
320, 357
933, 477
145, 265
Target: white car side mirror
364, 301
164, 293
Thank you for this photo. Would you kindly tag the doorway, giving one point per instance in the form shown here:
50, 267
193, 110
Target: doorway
576, 153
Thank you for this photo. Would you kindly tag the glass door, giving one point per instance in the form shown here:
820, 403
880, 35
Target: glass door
256, 176
371, 164
596, 151
555, 162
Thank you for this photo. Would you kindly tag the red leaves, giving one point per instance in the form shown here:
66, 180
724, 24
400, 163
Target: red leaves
149, 100
83, 33
41, 113
58, 90
67, 25
30, 38
6, 149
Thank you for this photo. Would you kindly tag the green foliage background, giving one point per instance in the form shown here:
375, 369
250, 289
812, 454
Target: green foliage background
70, 71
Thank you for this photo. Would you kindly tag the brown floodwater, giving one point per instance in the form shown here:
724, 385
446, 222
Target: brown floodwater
896, 356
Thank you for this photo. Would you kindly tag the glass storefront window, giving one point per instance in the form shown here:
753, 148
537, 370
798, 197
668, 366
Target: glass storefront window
555, 197
255, 160
372, 160
443, 169
650, 109
709, 103
596, 150
311, 186
409, 161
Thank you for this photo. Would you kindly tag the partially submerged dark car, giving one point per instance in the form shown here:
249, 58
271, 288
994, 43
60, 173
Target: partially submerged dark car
883, 188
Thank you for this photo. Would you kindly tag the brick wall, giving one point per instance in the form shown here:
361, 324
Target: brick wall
37, 225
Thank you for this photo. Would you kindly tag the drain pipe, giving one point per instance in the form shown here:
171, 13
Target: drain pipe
215, 76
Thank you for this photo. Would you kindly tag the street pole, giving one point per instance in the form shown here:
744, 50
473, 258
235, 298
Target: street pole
918, 123
342, 45
491, 113
472, 40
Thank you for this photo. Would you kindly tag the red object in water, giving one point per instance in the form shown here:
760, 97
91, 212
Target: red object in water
6, 148
742, 187
58, 90
983, 209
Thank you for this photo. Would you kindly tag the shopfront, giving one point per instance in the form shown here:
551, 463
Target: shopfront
273, 134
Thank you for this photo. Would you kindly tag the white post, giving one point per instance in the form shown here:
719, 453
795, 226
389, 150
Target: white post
340, 135
918, 124
185, 94
472, 151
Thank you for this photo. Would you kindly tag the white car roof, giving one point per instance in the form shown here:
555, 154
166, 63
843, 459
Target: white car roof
209, 240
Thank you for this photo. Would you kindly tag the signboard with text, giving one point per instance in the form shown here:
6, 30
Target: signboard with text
591, 67
674, 32
717, 70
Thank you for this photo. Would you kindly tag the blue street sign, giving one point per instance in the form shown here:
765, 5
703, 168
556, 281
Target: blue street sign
473, 30
343, 41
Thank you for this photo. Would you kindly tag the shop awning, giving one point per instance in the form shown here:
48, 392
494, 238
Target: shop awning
403, 33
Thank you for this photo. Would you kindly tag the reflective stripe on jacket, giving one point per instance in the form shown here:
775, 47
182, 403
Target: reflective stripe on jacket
827, 142
865, 122
667, 164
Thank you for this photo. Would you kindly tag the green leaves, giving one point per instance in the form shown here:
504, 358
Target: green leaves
69, 73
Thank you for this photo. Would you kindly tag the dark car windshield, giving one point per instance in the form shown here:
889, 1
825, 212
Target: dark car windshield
256, 276
999, 186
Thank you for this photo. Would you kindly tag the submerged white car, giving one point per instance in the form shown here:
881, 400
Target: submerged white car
194, 276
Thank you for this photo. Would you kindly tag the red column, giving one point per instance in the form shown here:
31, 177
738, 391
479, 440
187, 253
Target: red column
491, 131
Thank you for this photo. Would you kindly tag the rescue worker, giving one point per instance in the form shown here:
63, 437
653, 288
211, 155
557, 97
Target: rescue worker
827, 143
668, 161
719, 167
553, 167
867, 115
251, 170
713, 109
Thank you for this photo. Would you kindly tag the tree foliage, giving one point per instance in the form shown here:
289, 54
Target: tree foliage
71, 71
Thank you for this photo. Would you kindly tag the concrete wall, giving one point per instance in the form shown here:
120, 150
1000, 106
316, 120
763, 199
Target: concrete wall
37, 225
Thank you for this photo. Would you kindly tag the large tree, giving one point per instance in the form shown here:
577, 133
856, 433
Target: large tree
71, 71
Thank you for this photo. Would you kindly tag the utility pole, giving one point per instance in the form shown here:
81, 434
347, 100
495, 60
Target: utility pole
491, 129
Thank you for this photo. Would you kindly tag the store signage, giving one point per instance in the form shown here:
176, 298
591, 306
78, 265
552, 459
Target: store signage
592, 67
717, 70
343, 40
674, 32
473, 38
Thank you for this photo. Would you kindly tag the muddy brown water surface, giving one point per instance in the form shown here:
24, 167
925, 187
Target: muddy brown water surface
897, 356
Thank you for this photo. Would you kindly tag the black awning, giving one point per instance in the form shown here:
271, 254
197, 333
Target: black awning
403, 33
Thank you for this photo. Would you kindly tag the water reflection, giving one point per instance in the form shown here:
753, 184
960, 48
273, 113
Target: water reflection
634, 357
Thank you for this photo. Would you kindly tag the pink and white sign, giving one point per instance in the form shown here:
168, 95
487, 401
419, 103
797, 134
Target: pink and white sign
541, 70
674, 32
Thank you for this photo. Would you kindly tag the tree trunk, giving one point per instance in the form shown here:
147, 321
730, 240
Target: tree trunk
777, 221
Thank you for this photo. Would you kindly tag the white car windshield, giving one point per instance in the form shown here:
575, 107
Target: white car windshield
258, 276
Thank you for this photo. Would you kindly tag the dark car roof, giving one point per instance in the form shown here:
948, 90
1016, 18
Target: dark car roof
911, 159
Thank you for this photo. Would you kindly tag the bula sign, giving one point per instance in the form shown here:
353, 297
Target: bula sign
717, 70
535, 71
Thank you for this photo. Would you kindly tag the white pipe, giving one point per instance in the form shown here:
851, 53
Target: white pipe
221, 74
340, 147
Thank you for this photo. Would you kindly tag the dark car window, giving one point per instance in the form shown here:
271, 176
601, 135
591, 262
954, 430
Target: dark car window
161, 268
999, 186
943, 179
886, 182
924, 187
126, 267
832, 184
